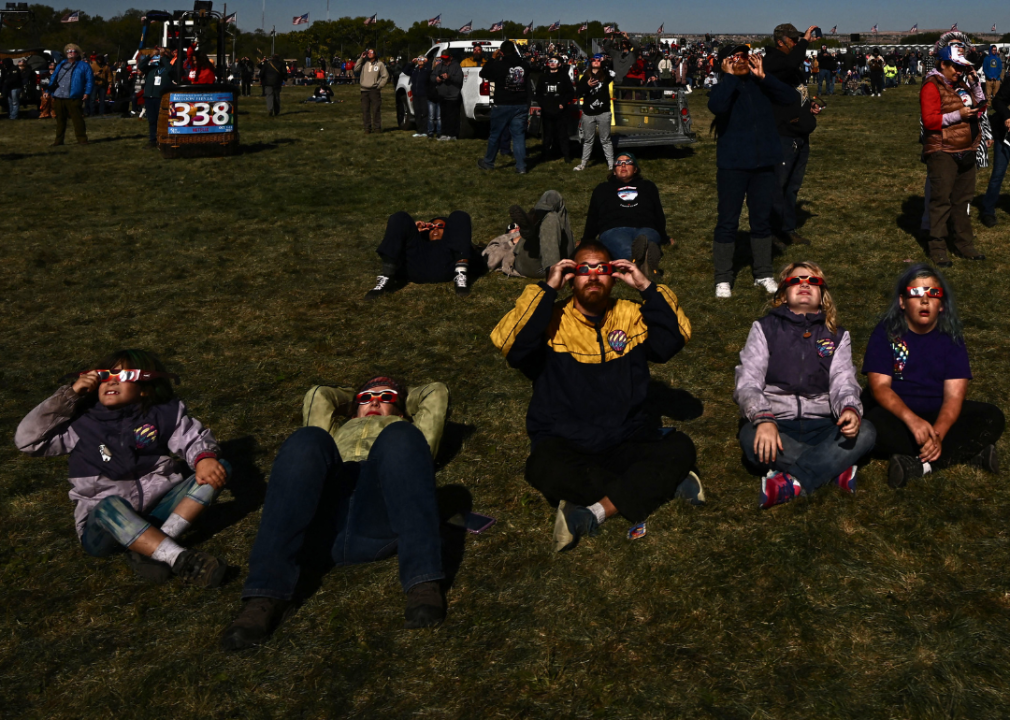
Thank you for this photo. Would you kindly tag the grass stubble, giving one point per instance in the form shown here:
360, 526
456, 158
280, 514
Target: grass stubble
247, 275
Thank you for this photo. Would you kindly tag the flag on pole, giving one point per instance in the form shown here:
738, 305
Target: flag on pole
993, 28
528, 29
300, 19
468, 28
230, 19
954, 26
609, 29
435, 21
554, 26
834, 28
498, 26
915, 29
371, 20
660, 31
873, 29
72, 17
585, 26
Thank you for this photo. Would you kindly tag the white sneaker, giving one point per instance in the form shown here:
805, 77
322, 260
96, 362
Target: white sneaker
578, 168
419, 135
443, 138
723, 290
768, 284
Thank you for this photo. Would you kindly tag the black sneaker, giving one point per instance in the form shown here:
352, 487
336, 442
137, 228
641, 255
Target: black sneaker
255, 622
524, 221
690, 489
571, 524
382, 286
425, 606
148, 568
901, 469
987, 459
200, 568
484, 164
989, 220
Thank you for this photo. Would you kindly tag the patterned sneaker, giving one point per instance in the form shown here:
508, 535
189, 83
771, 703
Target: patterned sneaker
901, 469
572, 523
462, 289
768, 284
381, 288
847, 480
778, 488
200, 568
723, 290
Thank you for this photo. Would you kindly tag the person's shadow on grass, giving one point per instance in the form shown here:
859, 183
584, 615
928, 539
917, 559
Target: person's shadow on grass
256, 147
661, 401
246, 485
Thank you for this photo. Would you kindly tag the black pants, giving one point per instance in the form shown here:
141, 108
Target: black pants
978, 425
877, 82
555, 134
246, 87
421, 114
69, 109
152, 106
790, 173
421, 259
450, 115
638, 476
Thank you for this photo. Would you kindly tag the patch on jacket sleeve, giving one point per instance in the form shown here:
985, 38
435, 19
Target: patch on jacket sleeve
825, 347
618, 340
145, 436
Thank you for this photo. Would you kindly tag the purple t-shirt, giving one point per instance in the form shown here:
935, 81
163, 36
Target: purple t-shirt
917, 364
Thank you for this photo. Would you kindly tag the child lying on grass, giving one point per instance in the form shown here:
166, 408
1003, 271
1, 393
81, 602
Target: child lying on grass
797, 388
120, 427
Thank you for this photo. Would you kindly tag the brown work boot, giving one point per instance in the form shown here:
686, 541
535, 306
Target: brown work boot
938, 252
256, 621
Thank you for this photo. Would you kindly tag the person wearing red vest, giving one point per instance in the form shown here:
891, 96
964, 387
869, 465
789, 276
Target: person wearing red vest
950, 101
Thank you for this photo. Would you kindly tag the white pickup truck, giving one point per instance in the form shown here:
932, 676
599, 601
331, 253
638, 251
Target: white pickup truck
476, 92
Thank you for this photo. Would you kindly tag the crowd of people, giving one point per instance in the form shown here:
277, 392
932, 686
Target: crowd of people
357, 481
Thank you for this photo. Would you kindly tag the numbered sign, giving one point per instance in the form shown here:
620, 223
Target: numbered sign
198, 113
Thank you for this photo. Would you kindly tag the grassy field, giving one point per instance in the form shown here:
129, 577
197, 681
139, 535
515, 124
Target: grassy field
247, 275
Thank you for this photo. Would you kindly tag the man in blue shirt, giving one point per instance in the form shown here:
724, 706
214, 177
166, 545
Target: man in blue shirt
72, 82
993, 67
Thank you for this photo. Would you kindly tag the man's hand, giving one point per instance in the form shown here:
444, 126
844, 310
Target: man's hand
848, 421
628, 273
727, 65
767, 442
210, 472
757, 66
809, 34
561, 273
86, 383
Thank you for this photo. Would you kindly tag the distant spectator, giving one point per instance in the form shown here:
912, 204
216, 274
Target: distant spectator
594, 90
72, 83
992, 65
273, 73
373, 77
12, 85
447, 78
157, 72
511, 77
419, 78
103, 81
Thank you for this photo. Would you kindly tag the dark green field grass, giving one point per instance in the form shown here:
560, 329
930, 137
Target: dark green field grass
247, 275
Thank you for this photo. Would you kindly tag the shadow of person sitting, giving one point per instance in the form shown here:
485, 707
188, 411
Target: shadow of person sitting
661, 401
246, 486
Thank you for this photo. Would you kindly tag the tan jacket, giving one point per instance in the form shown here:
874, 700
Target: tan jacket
374, 75
103, 75
326, 408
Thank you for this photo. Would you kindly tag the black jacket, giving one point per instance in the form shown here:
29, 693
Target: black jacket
1001, 104
511, 78
633, 204
273, 73
555, 91
595, 100
794, 120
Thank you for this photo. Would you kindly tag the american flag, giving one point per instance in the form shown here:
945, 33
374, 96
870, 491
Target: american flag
915, 29
554, 26
72, 17
873, 29
954, 26
608, 29
993, 28
230, 19
435, 21
300, 19
371, 20
498, 26
528, 29
834, 28
468, 28
585, 26
660, 31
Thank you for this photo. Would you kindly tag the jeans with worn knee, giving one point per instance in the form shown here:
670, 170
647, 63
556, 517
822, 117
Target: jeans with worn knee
383, 505
813, 450
620, 239
514, 118
1000, 160
434, 118
13, 101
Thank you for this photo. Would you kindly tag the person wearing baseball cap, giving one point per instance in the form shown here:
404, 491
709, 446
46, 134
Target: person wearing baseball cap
950, 101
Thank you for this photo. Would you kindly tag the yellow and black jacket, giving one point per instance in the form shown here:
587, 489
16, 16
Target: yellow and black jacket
589, 379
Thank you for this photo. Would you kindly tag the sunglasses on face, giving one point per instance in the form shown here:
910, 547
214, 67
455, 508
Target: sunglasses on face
604, 268
917, 292
128, 375
808, 279
388, 397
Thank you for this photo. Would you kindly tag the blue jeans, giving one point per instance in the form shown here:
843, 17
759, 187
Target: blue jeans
1000, 160
382, 506
14, 102
813, 451
513, 117
827, 77
434, 118
619, 240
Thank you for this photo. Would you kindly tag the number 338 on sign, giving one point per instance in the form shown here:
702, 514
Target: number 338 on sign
194, 115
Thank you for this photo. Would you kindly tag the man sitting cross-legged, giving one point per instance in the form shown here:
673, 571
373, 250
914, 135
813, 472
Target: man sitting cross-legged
594, 454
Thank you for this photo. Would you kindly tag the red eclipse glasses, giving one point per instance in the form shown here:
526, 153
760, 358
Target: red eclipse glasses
603, 268
925, 292
813, 280
388, 397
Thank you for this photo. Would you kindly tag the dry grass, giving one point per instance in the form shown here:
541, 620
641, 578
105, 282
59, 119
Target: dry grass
247, 275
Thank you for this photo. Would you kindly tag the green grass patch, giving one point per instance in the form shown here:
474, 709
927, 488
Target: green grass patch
247, 275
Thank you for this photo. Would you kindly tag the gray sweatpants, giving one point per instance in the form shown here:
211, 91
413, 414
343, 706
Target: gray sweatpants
554, 242
588, 127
